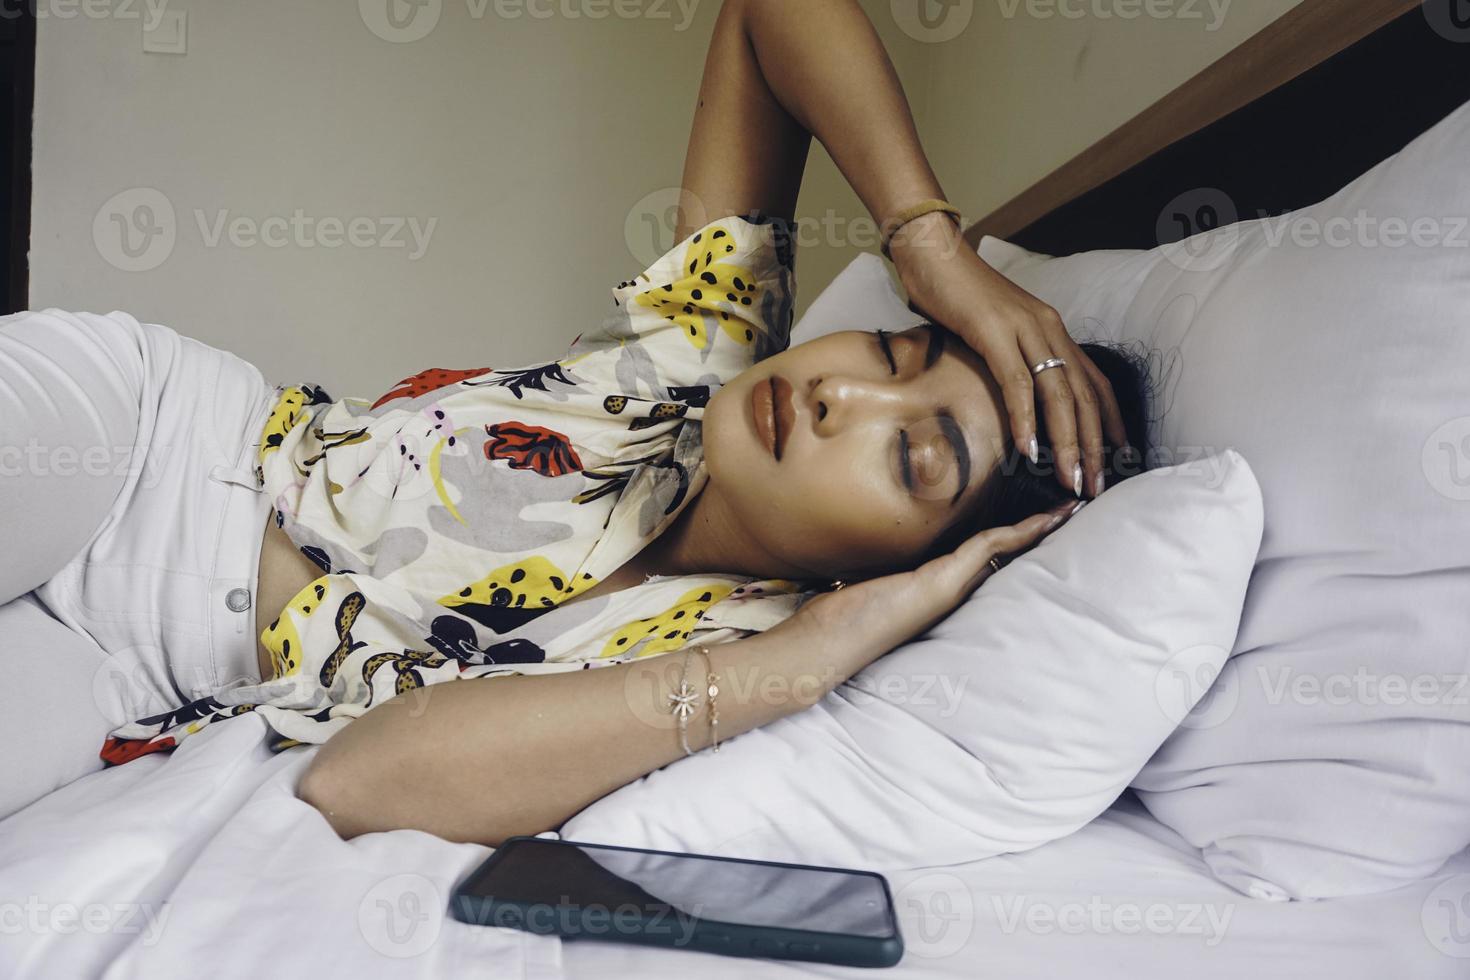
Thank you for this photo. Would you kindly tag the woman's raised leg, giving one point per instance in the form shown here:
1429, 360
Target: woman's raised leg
70, 387
56, 706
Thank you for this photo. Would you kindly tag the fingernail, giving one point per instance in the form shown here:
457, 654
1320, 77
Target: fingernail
1076, 507
1099, 484
1077, 479
1128, 458
1033, 451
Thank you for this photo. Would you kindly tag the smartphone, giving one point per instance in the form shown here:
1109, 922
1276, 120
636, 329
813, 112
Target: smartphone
687, 901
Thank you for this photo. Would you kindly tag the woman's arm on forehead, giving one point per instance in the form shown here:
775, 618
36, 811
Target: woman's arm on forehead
782, 71
779, 72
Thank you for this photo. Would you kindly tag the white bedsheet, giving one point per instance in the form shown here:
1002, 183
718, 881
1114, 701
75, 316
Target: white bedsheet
1124, 898
204, 863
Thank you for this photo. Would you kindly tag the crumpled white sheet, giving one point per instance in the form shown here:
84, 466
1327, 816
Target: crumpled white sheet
204, 863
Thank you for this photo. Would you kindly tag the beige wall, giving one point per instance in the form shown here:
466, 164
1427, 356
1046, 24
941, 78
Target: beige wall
1029, 84
528, 152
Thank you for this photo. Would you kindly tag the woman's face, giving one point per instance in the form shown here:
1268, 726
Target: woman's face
851, 453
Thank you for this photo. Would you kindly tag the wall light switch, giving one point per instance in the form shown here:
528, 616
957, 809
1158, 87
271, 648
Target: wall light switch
166, 32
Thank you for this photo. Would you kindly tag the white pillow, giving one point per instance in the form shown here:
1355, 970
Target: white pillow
1013, 722
861, 297
1331, 347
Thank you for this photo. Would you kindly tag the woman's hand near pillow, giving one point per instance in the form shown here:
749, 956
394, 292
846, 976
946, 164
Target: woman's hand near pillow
877, 615
947, 282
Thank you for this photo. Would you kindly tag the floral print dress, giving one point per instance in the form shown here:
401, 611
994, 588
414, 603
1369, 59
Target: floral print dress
455, 515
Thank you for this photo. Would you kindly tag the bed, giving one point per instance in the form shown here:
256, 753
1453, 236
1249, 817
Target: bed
208, 865
205, 863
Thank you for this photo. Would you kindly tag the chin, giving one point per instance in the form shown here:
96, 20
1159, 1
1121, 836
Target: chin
725, 433
734, 460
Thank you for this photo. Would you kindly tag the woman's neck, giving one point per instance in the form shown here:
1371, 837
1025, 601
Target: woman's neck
707, 537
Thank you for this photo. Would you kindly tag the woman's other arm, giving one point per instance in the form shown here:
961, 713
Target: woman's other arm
782, 71
482, 760
778, 73
485, 759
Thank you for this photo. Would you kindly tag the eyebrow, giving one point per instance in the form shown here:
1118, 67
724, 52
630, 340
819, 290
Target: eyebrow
947, 424
956, 437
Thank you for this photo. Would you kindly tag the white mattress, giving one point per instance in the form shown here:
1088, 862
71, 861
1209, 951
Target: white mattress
205, 864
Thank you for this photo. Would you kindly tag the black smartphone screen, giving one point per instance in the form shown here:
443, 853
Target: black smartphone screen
549, 876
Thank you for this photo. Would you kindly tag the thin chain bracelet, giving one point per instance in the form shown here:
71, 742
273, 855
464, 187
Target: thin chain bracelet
683, 702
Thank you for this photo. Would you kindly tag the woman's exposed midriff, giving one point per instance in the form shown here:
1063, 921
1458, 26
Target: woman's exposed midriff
284, 571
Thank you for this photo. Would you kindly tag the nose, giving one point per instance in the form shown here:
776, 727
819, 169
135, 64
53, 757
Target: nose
838, 401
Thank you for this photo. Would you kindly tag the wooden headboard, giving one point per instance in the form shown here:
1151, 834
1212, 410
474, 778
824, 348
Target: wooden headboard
1322, 95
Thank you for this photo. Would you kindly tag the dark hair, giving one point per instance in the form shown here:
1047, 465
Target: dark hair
1016, 489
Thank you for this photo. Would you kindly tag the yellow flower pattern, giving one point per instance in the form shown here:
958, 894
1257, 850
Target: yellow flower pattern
281, 638
532, 584
283, 418
667, 630
711, 285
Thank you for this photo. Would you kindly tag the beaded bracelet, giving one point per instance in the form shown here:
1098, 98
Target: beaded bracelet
912, 213
713, 691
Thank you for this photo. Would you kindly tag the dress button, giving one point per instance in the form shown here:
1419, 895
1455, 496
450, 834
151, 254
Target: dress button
238, 599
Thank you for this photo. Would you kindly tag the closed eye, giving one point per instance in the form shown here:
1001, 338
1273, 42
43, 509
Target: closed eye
887, 351
905, 467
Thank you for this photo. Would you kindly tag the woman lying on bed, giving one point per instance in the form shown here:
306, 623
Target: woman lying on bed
679, 478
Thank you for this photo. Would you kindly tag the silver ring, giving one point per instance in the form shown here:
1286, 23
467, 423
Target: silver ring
994, 564
1047, 365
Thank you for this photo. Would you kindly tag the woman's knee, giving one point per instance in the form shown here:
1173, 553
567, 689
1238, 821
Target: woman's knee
53, 720
71, 402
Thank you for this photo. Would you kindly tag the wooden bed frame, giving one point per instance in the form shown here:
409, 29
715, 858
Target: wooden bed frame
1322, 95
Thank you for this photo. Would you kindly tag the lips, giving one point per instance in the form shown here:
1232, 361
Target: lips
785, 412
775, 413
